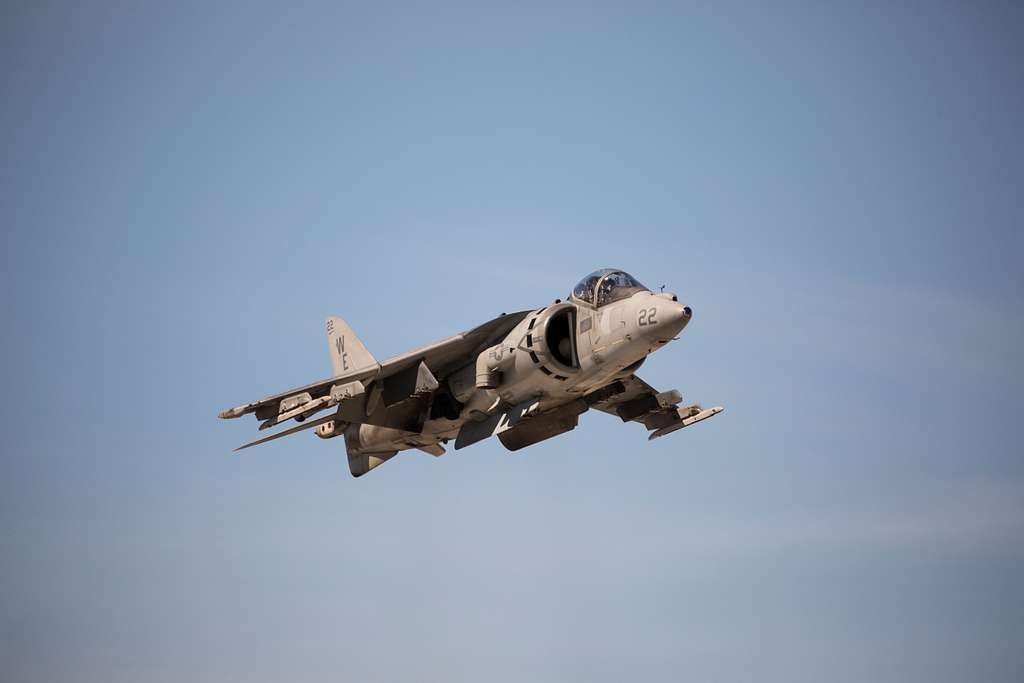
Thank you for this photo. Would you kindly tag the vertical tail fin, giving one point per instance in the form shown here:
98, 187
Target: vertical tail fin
347, 352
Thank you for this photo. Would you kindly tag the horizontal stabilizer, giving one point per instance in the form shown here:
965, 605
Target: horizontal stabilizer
361, 463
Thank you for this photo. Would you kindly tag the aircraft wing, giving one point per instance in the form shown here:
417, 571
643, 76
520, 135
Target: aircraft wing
441, 358
634, 400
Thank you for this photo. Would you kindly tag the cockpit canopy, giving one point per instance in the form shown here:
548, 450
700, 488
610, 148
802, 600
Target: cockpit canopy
605, 286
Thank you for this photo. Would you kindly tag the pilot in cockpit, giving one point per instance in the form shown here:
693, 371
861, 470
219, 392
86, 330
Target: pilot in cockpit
605, 286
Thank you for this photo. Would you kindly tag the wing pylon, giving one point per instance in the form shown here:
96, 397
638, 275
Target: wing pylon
634, 400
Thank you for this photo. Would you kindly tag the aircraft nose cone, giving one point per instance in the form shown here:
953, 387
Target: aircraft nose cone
677, 312
672, 318
665, 322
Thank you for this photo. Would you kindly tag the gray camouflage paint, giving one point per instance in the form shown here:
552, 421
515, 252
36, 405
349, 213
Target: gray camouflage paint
529, 384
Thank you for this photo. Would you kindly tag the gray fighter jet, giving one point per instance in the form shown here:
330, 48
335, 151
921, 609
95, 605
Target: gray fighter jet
524, 377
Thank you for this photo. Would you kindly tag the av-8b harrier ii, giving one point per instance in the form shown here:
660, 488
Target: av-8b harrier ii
524, 377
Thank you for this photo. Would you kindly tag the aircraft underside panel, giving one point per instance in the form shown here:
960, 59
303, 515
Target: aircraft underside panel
542, 427
527, 435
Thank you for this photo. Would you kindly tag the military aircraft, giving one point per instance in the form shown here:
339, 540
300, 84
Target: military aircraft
524, 377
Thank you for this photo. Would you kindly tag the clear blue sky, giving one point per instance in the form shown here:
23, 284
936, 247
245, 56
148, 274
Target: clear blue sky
189, 189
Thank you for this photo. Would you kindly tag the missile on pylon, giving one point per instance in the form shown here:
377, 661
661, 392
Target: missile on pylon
686, 421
